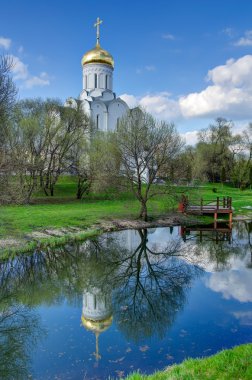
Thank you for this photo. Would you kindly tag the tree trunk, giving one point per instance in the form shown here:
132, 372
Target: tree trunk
79, 190
45, 191
143, 213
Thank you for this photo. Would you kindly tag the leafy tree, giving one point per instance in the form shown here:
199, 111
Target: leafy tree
213, 150
146, 146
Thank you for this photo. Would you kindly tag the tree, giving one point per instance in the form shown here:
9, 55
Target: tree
8, 92
145, 146
105, 162
213, 150
68, 126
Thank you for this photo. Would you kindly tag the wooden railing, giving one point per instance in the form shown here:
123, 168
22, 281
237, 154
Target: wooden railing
219, 202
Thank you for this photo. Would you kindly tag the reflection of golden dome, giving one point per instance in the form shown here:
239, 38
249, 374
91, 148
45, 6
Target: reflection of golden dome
97, 326
97, 55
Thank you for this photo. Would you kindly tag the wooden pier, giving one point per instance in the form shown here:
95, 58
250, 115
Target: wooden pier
218, 206
213, 232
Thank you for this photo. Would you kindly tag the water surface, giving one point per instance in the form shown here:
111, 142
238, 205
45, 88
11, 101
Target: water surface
131, 300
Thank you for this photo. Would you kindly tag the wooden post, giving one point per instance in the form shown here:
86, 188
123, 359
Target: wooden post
215, 219
230, 219
201, 204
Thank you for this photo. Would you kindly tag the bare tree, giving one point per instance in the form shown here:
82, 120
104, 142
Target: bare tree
67, 128
8, 91
146, 146
8, 94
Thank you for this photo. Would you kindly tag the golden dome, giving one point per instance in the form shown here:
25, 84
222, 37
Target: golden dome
97, 55
97, 326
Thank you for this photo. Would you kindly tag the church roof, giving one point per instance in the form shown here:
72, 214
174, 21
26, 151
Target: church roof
97, 55
97, 326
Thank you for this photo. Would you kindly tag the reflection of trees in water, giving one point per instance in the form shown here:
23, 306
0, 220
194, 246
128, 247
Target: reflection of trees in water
148, 283
152, 288
19, 332
219, 251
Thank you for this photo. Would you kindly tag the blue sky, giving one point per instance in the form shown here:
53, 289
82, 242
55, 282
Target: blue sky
186, 61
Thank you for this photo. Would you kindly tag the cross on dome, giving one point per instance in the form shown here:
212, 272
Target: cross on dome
97, 26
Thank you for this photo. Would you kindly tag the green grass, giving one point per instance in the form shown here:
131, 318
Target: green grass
63, 210
226, 365
240, 198
19, 220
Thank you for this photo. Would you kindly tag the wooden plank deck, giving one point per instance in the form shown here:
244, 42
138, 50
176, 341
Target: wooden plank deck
208, 207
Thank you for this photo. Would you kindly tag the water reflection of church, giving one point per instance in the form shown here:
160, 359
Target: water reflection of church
96, 313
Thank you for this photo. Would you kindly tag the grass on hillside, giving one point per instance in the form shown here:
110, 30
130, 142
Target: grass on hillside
63, 210
226, 365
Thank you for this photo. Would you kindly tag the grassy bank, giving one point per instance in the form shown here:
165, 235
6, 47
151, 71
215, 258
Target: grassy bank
227, 365
64, 211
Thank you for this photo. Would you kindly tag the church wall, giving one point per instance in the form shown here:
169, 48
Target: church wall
101, 70
99, 115
116, 110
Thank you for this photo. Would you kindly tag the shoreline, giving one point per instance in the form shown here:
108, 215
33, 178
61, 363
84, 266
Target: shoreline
11, 246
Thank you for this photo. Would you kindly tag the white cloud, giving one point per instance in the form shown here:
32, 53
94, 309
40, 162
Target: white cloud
168, 36
235, 283
41, 80
190, 137
145, 68
5, 43
19, 69
21, 73
232, 284
229, 32
246, 40
245, 317
159, 105
150, 68
230, 94
131, 100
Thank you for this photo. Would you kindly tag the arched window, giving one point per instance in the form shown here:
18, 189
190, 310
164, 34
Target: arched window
97, 121
117, 123
95, 80
85, 81
106, 81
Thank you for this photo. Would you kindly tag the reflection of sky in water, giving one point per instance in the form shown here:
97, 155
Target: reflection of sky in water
235, 283
204, 312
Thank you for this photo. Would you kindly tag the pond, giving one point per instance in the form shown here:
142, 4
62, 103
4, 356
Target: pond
125, 301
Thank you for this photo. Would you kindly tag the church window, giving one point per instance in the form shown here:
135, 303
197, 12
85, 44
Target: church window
106, 81
117, 123
85, 81
95, 80
97, 121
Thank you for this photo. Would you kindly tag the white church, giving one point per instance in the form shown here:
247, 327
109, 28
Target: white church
97, 97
